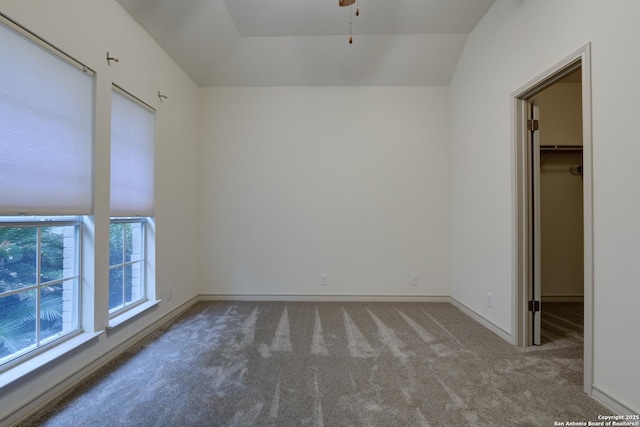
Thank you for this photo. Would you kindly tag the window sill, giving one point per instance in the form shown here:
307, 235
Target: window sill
29, 366
123, 318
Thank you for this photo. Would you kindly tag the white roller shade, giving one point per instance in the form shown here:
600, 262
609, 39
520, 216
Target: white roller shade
46, 130
132, 159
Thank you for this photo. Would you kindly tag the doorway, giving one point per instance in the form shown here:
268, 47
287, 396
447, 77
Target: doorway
558, 213
573, 157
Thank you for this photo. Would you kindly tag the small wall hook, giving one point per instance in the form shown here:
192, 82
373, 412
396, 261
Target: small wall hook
110, 58
162, 96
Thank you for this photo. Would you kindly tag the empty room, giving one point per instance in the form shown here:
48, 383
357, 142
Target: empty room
319, 212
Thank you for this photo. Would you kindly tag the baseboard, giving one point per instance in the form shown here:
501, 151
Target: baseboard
611, 403
322, 298
75, 378
562, 298
484, 322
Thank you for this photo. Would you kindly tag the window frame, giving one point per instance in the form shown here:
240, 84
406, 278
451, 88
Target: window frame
125, 307
16, 368
46, 344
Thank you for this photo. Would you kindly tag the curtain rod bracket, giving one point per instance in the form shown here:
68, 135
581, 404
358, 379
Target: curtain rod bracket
110, 58
160, 96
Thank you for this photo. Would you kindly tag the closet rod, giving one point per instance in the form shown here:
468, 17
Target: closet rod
561, 148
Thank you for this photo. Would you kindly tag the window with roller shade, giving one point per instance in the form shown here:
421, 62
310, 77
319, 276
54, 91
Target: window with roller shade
46, 144
132, 198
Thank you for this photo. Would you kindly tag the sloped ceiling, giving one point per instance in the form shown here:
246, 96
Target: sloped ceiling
305, 42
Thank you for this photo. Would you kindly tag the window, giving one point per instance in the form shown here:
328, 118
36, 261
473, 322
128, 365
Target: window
132, 199
39, 283
126, 263
46, 156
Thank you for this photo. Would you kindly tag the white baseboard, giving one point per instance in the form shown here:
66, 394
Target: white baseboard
322, 298
484, 322
613, 404
562, 298
75, 378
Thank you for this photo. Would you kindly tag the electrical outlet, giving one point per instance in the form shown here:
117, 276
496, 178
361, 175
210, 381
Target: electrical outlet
415, 280
323, 280
169, 293
489, 300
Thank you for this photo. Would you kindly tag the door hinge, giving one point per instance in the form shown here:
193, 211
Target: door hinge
534, 306
533, 125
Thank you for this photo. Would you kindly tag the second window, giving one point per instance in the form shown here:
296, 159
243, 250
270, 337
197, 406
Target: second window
126, 263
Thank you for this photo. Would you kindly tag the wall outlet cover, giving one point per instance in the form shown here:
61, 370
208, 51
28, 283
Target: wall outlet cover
323, 280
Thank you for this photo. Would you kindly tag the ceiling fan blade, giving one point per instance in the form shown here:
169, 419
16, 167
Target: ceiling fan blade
344, 3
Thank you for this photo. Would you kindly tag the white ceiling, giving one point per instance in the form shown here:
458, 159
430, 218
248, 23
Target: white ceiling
305, 42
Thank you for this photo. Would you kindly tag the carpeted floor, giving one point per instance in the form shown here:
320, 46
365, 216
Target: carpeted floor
562, 323
332, 364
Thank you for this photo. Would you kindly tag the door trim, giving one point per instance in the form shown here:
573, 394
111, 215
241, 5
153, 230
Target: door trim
521, 209
535, 192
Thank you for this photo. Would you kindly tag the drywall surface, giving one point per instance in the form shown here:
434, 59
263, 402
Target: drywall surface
501, 55
86, 31
561, 225
302, 181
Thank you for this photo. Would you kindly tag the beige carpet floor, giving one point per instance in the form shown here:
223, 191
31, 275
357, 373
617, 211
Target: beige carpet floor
334, 364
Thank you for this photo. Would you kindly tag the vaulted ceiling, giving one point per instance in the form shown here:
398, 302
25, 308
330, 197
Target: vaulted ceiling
305, 42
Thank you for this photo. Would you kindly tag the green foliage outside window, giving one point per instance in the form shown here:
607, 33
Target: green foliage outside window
118, 252
22, 325
125, 255
18, 269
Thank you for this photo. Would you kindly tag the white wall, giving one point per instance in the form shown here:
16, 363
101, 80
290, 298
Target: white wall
301, 181
86, 31
515, 42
